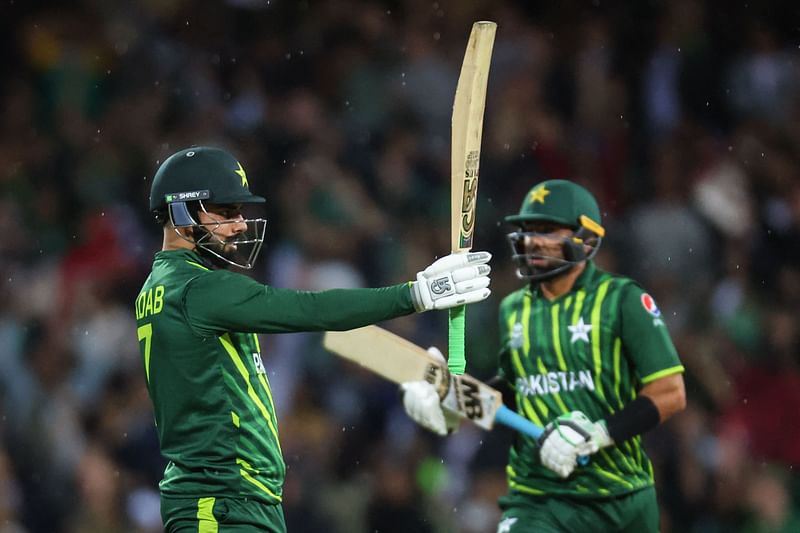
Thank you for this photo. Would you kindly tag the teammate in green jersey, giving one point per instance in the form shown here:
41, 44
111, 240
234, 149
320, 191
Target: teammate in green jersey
586, 355
198, 326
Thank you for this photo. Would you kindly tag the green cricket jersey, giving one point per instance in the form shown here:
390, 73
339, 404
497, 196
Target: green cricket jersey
591, 350
202, 362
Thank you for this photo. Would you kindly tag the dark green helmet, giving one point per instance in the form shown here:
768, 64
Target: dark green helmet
200, 173
564, 203
559, 201
192, 179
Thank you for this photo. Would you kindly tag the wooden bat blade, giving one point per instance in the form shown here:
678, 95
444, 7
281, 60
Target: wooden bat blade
385, 353
399, 360
466, 133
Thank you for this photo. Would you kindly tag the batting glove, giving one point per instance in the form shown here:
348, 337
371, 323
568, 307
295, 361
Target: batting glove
568, 437
422, 403
456, 279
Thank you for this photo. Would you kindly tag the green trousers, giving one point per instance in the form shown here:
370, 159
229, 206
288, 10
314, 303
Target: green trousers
220, 515
636, 512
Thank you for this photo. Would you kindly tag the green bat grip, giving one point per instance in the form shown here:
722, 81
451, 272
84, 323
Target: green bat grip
456, 361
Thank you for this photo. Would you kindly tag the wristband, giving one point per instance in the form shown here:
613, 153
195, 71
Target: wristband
639, 416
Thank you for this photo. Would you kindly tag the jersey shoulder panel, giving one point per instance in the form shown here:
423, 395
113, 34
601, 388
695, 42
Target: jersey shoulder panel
617, 281
212, 293
512, 299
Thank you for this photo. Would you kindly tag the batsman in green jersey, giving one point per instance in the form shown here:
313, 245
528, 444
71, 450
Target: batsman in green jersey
586, 355
198, 325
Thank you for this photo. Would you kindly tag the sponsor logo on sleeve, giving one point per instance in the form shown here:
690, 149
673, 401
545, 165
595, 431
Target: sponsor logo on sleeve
650, 306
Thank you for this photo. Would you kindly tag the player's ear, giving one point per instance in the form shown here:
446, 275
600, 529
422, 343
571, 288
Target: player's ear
186, 232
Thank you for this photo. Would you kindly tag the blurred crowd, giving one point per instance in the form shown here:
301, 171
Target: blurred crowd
683, 117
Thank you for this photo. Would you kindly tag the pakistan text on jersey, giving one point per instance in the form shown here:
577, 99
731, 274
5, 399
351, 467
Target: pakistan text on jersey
555, 382
150, 302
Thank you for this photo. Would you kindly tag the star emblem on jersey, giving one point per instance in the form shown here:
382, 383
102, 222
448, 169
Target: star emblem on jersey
538, 194
580, 331
241, 173
505, 525
516, 340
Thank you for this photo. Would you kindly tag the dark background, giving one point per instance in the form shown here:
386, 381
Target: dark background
683, 118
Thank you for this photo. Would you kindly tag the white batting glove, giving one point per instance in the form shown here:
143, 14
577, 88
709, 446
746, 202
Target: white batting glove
423, 405
456, 279
568, 437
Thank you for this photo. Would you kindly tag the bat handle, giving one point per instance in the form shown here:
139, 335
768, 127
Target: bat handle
456, 361
509, 418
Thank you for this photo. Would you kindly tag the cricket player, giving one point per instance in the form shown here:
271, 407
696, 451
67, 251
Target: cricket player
586, 355
198, 326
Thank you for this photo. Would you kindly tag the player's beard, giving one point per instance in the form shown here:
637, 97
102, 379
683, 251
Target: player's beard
545, 267
239, 250
223, 247
212, 246
538, 259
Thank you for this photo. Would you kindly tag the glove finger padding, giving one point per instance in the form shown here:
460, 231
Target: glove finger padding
560, 449
436, 353
568, 437
457, 279
471, 272
452, 262
475, 284
421, 403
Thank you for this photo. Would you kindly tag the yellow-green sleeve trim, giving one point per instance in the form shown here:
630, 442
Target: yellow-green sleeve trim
661, 373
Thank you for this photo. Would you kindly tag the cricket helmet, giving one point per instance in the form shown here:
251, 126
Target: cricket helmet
191, 179
564, 203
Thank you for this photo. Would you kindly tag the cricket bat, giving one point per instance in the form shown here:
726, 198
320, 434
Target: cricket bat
399, 360
467, 129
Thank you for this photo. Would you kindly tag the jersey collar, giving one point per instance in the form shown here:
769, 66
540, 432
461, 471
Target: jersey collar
184, 254
585, 277
582, 280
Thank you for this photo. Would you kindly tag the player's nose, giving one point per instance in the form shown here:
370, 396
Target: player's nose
535, 240
239, 225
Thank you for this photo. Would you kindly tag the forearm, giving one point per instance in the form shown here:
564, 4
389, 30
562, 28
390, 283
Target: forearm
335, 310
668, 394
655, 403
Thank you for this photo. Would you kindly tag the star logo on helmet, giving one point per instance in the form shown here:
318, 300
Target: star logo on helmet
538, 194
241, 172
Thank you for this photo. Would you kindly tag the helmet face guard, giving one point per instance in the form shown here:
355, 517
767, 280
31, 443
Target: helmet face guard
207, 175
240, 250
581, 246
